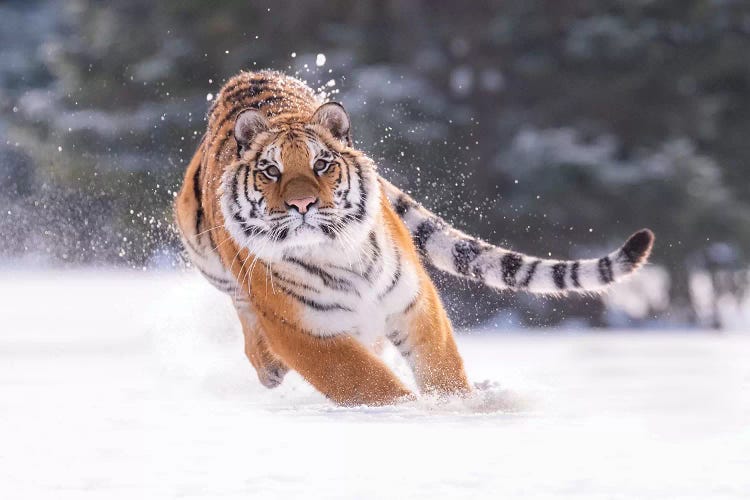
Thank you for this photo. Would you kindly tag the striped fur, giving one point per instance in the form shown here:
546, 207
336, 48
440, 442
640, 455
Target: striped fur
462, 255
323, 257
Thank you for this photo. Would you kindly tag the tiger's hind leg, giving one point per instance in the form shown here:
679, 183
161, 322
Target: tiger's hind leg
424, 337
271, 370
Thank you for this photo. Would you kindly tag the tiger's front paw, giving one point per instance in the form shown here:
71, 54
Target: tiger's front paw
272, 375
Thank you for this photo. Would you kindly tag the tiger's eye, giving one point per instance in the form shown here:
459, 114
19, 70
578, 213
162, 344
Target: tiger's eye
320, 165
272, 171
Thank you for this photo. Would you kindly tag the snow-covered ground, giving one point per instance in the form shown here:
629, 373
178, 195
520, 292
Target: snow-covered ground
118, 385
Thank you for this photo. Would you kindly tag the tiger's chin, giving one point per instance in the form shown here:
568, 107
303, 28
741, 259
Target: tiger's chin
303, 236
306, 235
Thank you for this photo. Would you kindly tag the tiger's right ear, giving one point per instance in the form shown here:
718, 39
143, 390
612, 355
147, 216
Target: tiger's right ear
249, 123
334, 117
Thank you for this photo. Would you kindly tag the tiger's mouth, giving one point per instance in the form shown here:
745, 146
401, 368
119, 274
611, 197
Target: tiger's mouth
305, 226
303, 231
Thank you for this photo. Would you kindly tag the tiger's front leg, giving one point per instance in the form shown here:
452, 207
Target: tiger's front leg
340, 367
271, 370
424, 337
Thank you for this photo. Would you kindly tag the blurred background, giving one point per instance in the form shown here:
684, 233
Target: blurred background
556, 128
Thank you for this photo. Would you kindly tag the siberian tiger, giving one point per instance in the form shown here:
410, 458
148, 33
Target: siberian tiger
321, 255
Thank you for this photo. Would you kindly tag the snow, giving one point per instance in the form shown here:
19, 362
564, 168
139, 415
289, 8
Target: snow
124, 385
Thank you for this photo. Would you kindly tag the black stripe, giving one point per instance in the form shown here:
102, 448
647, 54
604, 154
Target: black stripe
246, 190
424, 231
198, 195
511, 263
186, 240
362, 193
238, 100
464, 253
530, 273
395, 279
361, 208
311, 135
255, 91
258, 179
328, 230
228, 92
294, 283
348, 188
235, 189
328, 279
402, 205
558, 274
376, 253
281, 236
312, 303
249, 229
253, 204
339, 176
605, 270
574, 274
252, 81
211, 240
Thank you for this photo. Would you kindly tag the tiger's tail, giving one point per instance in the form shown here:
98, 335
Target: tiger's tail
457, 253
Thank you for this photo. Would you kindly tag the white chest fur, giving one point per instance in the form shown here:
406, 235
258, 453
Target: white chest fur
341, 291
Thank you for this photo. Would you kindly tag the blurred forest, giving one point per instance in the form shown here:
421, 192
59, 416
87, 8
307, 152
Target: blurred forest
549, 126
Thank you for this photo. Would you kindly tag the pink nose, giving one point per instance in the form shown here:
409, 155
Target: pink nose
302, 204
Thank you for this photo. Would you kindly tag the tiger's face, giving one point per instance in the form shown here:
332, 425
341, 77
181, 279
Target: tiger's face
298, 185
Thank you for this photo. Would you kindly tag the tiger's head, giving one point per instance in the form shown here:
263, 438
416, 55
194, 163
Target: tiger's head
298, 184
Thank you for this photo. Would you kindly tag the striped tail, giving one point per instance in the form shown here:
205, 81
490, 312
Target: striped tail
452, 251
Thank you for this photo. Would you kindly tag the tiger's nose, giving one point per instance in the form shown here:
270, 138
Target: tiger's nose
301, 204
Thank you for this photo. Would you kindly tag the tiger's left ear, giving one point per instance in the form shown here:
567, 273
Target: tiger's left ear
334, 117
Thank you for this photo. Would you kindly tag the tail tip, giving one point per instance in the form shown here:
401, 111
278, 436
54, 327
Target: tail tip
638, 247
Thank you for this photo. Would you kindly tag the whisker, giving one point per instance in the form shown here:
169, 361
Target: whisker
225, 240
244, 279
196, 235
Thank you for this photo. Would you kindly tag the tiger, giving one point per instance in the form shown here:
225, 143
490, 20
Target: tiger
323, 257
